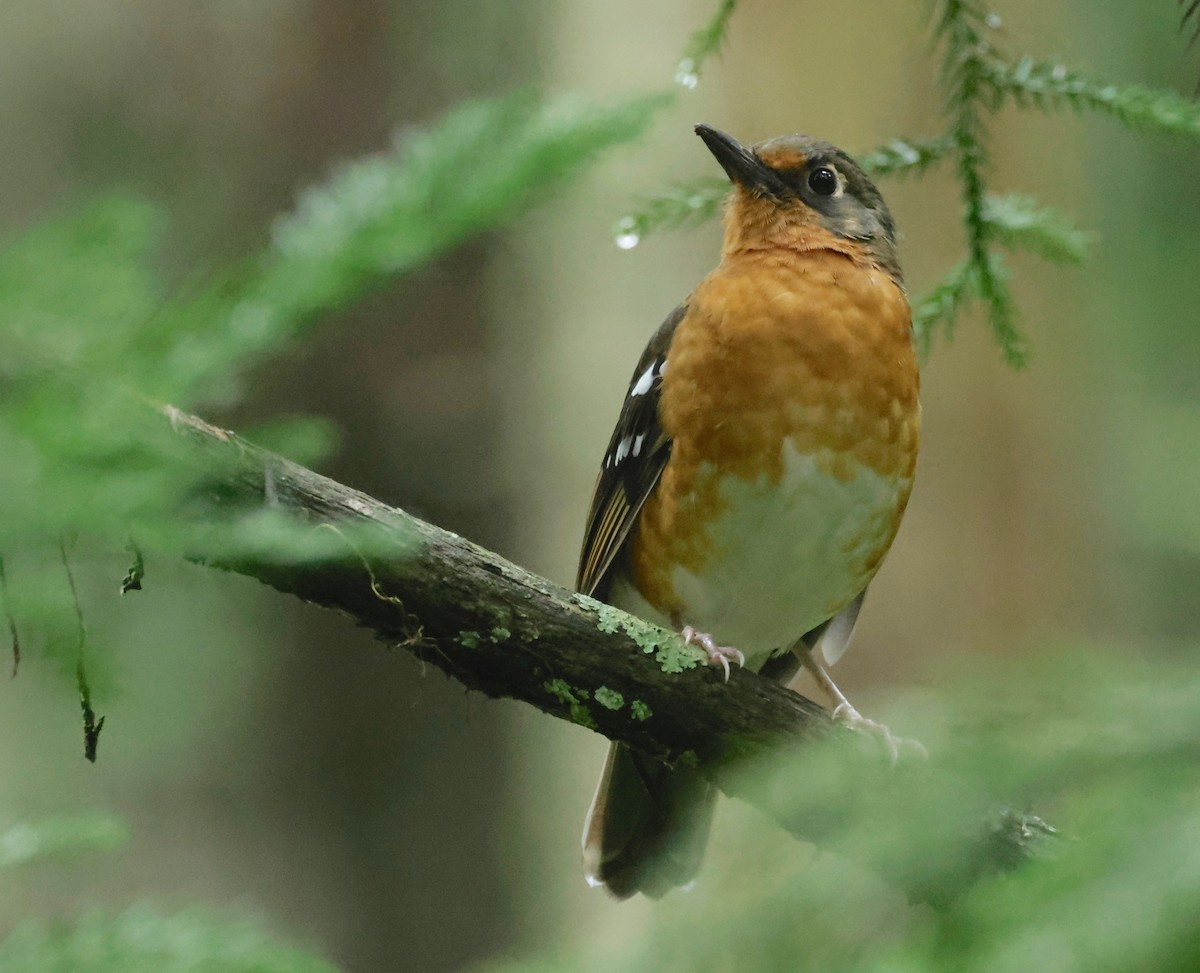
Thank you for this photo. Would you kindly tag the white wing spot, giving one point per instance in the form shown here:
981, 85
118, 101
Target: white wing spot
642, 386
637, 444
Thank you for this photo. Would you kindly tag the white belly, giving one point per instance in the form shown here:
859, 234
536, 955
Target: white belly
788, 555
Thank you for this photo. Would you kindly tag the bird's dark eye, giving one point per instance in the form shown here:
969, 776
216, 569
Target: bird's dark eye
823, 181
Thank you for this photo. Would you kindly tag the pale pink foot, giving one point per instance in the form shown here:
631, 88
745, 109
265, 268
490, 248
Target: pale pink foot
848, 716
718, 655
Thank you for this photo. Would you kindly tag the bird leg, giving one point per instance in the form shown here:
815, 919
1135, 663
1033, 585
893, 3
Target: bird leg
718, 655
845, 713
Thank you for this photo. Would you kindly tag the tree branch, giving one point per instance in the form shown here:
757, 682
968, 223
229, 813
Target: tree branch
506, 632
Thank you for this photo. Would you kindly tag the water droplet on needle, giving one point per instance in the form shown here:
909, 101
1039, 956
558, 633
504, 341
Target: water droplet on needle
685, 73
627, 234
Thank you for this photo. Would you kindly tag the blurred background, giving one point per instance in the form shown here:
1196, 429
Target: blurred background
271, 760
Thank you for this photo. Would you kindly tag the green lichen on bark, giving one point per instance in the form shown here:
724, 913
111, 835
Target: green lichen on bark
470, 639
675, 656
668, 649
609, 698
561, 690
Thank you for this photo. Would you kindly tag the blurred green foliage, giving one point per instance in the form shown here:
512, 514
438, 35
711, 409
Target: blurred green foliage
141, 937
92, 340
144, 940
92, 336
1114, 760
33, 842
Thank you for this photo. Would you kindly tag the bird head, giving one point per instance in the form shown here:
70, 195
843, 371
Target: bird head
801, 193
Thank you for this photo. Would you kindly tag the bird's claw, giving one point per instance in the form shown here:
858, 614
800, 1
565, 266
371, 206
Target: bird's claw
718, 655
848, 716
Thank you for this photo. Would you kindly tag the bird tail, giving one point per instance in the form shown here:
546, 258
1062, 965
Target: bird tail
647, 827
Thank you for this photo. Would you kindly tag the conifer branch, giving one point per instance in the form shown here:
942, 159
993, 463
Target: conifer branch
960, 31
977, 80
938, 310
678, 207
703, 44
1038, 84
903, 156
1021, 223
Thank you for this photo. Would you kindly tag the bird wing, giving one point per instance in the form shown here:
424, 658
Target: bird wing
633, 462
834, 637
831, 639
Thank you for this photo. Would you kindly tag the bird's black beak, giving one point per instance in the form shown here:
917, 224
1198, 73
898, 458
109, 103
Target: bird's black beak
741, 165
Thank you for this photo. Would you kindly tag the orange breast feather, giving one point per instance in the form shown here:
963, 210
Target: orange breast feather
811, 347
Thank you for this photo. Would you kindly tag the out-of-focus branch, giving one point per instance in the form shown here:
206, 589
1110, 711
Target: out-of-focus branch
506, 632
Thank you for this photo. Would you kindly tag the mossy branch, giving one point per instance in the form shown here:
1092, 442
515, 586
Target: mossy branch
485, 621
498, 629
